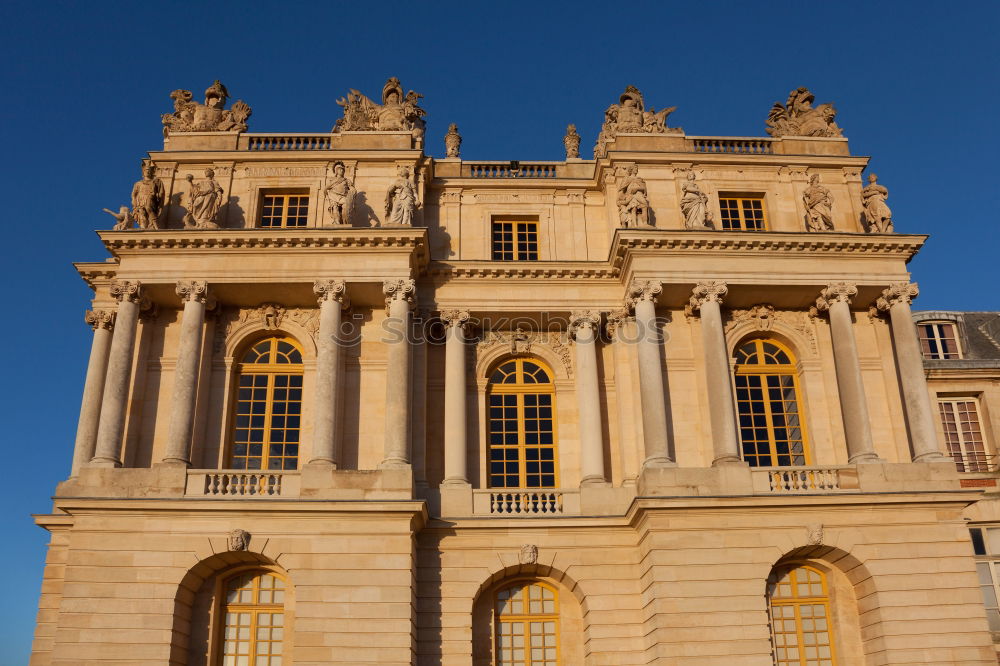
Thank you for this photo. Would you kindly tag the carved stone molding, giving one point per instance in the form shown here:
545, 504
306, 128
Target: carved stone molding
584, 319
270, 171
643, 290
528, 554
710, 291
100, 319
400, 290
331, 290
268, 315
763, 317
514, 197
898, 292
617, 319
455, 317
126, 290
521, 342
238, 540
836, 292
814, 534
194, 290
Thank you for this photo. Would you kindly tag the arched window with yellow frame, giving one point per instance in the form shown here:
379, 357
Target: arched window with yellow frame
522, 435
527, 624
798, 600
769, 406
268, 407
253, 620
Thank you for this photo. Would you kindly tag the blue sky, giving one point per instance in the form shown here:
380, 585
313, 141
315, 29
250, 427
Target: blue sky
916, 85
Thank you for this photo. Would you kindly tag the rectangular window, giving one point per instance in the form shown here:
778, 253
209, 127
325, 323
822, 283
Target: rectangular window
988, 568
742, 213
963, 434
939, 341
284, 211
515, 240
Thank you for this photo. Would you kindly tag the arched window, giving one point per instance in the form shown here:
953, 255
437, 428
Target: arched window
768, 404
522, 437
527, 625
265, 431
801, 630
253, 620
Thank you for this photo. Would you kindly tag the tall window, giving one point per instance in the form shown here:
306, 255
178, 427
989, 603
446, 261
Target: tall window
253, 619
284, 211
268, 406
527, 625
799, 603
522, 438
767, 400
963, 434
938, 340
742, 213
515, 240
986, 545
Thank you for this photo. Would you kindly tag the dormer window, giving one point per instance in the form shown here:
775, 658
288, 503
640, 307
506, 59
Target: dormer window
939, 340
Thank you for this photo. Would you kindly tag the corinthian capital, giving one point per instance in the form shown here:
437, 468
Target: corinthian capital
836, 292
643, 290
617, 320
126, 290
898, 292
100, 319
710, 291
586, 319
194, 290
455, 317
399, 290
331, 290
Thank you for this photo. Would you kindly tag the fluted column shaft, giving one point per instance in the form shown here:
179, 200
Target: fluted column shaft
916, 397
707, 298
111, 425
455, 415
850, 384
102, 321
651, 394
332, 296
399, 300
588, 395
195, 296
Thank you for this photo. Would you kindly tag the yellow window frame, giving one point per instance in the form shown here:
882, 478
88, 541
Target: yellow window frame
521, 231
764, 370
526, 619
286, 199
520, 389
744, 206
255, 609
797, 602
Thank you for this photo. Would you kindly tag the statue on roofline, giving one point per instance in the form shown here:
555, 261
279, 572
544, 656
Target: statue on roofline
212, 116
797, 117
395, 113
878, 217
630, 116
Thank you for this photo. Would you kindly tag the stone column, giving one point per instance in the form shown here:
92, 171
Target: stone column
332, 298
707, 299
102, 321
399, 298
196, 298
910, 362
836, 298
642, 296
111, 425
583, 328
455, 415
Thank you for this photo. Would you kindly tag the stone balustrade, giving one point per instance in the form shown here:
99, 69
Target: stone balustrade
805, 479
511, 169
526, 502
282, 142
739, 145
257, 484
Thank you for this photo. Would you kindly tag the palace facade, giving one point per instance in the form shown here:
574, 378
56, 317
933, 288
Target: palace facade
348, 403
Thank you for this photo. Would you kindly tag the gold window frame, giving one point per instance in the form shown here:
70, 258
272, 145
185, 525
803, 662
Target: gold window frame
743, 201
285, 195
222, 606
796, 603
526, 619
516, 226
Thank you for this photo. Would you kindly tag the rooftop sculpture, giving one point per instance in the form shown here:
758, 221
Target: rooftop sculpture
630, 115
395, 113
212, 116
797, 117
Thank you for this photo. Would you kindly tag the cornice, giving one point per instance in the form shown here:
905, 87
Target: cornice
537, 270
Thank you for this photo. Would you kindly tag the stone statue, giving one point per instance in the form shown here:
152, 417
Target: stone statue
212, 116
396, 113
633, 204
452, 141
401, 200
630, 115
878, 217
819, 206
340, 195
572, 143
123, 217
239, 540
694, 205
148, 197
204, 202
797, 117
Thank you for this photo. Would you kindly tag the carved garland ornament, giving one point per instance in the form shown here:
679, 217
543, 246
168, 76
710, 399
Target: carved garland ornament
763, 316
269, 315
520, 342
